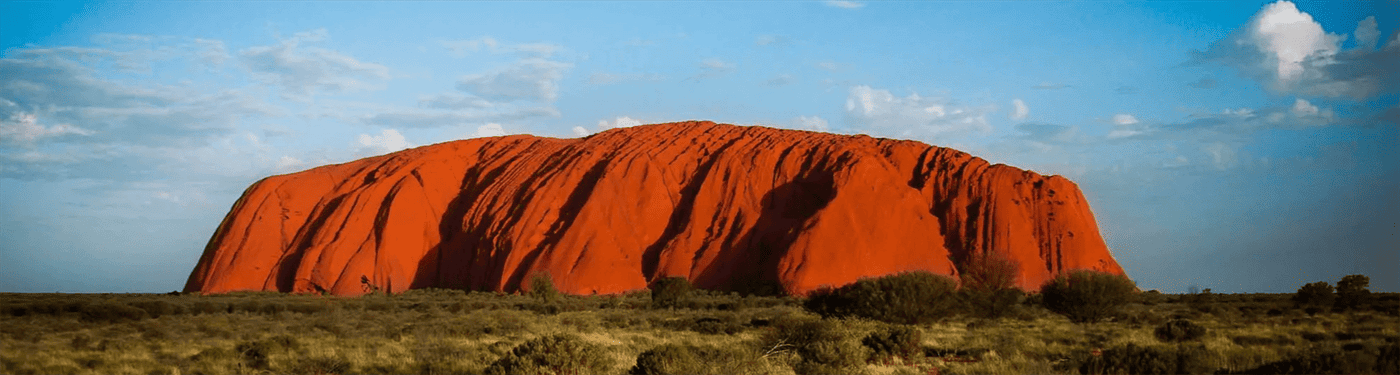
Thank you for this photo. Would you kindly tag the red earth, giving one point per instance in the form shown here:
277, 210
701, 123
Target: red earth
727, 207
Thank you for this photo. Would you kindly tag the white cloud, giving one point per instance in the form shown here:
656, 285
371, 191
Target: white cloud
1290, 52
1303, 108
529, 79
828, 66
844, 4
1019, 110
24, 129
436, 117
1124, 119
581, 131
388, 140
304, 71
1367, 34
1222, 156
287, 164
620, 122
913, 115
452, 100
813, 123
488, 130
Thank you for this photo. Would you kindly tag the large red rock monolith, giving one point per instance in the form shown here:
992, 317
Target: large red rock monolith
727, 207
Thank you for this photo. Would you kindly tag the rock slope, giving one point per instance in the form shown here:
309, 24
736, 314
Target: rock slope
728, 207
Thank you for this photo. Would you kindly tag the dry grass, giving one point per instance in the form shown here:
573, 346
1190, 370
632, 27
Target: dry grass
446, 332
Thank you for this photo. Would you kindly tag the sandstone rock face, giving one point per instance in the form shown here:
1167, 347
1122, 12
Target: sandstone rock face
727, 207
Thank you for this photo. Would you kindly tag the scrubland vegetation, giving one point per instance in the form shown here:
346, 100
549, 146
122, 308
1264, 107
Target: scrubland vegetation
911, 323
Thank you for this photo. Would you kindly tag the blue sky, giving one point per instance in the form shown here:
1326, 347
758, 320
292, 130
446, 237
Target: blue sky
1238, 146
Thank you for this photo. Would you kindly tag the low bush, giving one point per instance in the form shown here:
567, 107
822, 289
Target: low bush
1334, 360
905, 298
895, 341
686, 359
825, 346
1135, 359
670, 292
1353, 292
1179, 330
1086, 296
1315, 295
324, 365
556, 354
542, 288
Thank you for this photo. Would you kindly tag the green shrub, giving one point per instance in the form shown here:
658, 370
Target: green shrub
991, 304
825, 346
1353, 292
685, 359
1135, 359
1086, 296
670, 292
895, 341
905, 298
542, 288
111, 312
1331, 360
1179, 330
1315, 295
556, 354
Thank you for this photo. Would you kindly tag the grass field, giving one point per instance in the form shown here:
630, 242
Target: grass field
455, 332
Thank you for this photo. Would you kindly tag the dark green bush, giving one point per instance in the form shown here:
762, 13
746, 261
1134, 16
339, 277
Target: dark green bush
895, 341
1249, 340
905, 298
557, 354
1086, 296
112, 312
1315, 295
825, 345
1331, 360
685, 359
670, 292
1353, 292
1134, 359
542, 288
991, 304
1179, 330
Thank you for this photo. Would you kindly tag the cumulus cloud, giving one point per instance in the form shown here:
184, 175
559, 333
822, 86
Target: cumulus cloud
1367, 34
913, 115
1124, 126
1019, 110
1290, 52
528, 79
1237, 121
620, 122
844, 4
1124, 119
488, 130
388, 140
813, 123
287, 164
303, 71
581, 131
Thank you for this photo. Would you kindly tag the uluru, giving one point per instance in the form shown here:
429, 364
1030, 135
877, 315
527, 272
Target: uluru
740, 208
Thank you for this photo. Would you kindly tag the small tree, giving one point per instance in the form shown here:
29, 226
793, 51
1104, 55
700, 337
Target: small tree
989, 284
670, 292
1317, 295
542, 287
1087, 296
1353, 292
